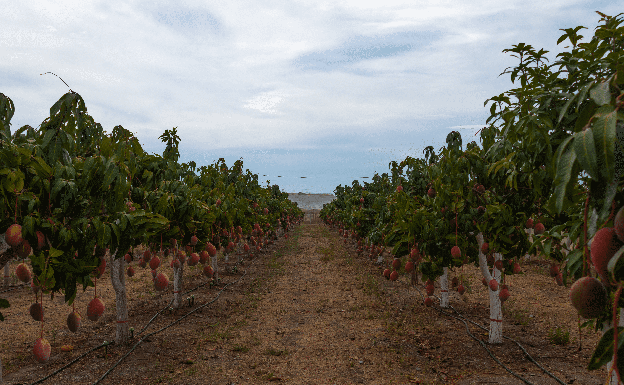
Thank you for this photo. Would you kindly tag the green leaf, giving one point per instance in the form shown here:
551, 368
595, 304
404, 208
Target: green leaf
47, 137
564, 110
586, 113
600, 94
28, 226
563, 177
604, 351
620, 75
575, 261
604, 131
583, 93
616, 264
586, 152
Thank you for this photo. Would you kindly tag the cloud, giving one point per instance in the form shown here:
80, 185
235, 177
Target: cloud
266, 101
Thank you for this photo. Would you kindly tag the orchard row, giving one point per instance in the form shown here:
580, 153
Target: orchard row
80, 196
548, 162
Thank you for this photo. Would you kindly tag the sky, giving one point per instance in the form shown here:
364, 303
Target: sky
310, 94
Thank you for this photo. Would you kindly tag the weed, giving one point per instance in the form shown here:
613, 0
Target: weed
520, 316
370, 286
558, 336
274, 352
328, 255
240, 348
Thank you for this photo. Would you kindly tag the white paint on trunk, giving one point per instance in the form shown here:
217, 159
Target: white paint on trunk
444, 302
496, 313
118, 279
177, 285
214, 266
7, 274
4, 247
530, 232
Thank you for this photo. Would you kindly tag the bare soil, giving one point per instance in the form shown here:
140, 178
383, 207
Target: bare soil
307, 311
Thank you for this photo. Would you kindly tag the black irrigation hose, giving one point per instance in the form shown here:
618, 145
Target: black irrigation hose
145, 327
484, 345
169, 305
171, 324
69, 364
13, 287
463, 319
519, 345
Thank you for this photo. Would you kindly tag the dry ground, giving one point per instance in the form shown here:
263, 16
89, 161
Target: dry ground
308, 311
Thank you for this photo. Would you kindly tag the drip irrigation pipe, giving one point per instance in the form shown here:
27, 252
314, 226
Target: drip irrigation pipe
463, 319
70, 363
517, 343
145, 327
13, 287
481, 342
169, 305
171, 324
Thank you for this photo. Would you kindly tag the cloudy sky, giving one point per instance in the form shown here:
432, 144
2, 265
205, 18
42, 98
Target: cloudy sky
329, 91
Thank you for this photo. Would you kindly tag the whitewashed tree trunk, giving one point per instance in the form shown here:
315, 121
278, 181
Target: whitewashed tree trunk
214, 267
177, 285
444, 301
612, 379
7, 274
530, 232
496, 312
5, 248
118, 279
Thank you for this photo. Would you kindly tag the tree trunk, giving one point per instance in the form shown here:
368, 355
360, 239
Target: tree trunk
177, 285
415, 275
7, 274
118, 278
215, 275
5, 257
444, 301
496, 313
530, 232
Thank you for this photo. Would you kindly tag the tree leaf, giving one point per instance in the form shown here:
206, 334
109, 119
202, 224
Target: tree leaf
604, 131
586, 152
600, 94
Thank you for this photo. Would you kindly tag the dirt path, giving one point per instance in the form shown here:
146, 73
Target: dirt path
309, 312
315, 325
330, 318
